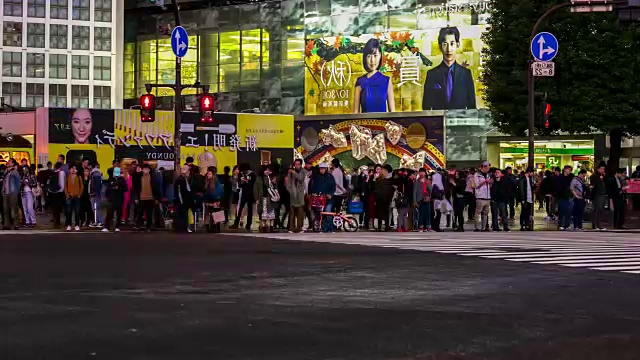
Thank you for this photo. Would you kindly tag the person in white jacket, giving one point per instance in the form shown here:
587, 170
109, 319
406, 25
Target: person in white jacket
482, 185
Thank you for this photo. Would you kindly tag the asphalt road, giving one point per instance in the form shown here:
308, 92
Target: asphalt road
159, 296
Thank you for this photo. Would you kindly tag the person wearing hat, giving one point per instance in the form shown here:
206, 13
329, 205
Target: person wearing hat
323, 183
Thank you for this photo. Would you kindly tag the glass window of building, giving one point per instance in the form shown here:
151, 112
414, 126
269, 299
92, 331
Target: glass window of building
12, 92
208, 57
102, 38
229, 69
12, 7
102, 10
148, 63
102, 97
12, 33
35, 35
81, 10
80, 96
80, 40
35, 95
129, 66
80, 67
35, 65
58, 36
59, 9
58, 66
102, 68
57, 95
11, 63
36, 8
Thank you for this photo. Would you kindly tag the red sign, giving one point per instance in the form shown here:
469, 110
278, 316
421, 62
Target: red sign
633, 186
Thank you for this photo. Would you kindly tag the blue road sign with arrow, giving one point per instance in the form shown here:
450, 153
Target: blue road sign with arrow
179, 41
544, 46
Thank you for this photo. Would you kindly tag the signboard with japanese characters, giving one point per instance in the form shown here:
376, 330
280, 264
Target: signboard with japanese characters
433, 69
105, 135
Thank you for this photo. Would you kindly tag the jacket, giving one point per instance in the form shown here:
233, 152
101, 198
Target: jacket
483, 190
383, 191
295, 187
405, 186
11, 183
136, 185
95, 182
323, 184
500, 190
115, 189
417, 191
522, 187
73, 186
246, 186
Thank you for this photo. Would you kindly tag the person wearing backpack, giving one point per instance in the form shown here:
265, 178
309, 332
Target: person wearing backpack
55, 188
10, 194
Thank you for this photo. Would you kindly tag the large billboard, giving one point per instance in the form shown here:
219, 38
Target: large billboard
409, 142
105, 135
431, 69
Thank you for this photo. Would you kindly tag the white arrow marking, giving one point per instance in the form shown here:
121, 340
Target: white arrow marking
181, 46
177, 36
544, 51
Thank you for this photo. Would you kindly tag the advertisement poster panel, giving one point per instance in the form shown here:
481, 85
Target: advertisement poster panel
104, 135
431, 69
410, 142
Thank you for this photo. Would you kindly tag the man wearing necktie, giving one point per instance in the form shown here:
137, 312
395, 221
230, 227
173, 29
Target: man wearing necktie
449, 85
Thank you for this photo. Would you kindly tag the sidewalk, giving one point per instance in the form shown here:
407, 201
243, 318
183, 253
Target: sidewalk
632, 222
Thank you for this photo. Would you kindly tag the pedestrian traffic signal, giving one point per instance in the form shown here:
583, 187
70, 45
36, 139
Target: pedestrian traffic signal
206, 108
547, 112
147, 108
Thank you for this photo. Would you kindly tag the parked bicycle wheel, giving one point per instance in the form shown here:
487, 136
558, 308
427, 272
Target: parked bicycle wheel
350, 223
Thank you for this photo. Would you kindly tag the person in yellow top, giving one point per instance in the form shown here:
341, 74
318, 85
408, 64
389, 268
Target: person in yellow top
73, 187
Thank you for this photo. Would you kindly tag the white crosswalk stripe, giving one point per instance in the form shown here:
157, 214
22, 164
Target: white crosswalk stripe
590, 250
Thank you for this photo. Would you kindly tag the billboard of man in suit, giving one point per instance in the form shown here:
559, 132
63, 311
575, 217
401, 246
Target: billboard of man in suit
449, 85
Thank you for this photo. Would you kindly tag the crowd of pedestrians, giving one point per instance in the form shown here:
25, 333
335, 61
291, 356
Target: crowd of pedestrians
384, 198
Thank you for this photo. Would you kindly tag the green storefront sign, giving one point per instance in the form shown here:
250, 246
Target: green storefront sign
548, 151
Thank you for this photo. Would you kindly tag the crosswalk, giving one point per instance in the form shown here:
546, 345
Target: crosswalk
591, 250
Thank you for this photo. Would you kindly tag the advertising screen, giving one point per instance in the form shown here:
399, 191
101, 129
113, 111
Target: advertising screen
430, 69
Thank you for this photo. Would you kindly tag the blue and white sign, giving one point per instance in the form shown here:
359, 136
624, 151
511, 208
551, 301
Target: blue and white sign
179, 41
544, 46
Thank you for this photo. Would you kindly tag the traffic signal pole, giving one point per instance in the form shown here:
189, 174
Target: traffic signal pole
178, 96
532, 84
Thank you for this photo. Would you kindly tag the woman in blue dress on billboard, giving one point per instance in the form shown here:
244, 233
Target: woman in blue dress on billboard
374, 91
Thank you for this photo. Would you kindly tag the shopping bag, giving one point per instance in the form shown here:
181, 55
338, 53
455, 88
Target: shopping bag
191, 220
218, 216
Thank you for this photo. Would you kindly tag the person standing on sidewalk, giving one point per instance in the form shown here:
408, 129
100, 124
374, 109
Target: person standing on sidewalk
579, 191
114, 195
95, 195
73, 188
564, 196
146, 195
617, 190
55, 188
482, 185
10, 194
527, 191
29, 184
501, 192
598, 196
296, 181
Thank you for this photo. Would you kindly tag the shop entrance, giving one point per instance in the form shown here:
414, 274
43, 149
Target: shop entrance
548, 154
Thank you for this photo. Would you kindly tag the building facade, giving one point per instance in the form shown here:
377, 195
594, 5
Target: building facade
62, 53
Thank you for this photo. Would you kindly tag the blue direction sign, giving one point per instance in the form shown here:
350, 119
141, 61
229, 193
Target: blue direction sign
179, 41
544, 46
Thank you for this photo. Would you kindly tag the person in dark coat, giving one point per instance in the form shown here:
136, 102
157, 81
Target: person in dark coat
383, 189
114, 194
246, 180
183, 200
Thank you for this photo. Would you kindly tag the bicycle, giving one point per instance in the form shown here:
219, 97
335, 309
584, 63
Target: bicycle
340, 220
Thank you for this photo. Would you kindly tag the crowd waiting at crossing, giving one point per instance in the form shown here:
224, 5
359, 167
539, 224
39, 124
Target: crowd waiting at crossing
283, 197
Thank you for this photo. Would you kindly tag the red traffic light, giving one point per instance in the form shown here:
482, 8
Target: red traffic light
206, 102
547, 109
147, 101
148, 107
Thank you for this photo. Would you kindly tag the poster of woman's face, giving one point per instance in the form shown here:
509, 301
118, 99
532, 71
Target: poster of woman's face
79, 126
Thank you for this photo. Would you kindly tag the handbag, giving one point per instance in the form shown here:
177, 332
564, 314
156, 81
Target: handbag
401, 199
274, 195
37, 191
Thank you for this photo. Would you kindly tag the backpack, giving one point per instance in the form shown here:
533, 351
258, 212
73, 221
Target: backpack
53, 185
